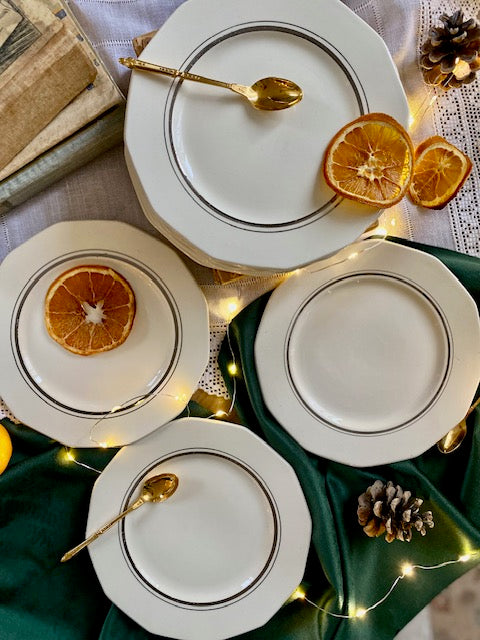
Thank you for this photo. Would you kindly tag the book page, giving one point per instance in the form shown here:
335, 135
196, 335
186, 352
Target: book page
9, 20
34, 26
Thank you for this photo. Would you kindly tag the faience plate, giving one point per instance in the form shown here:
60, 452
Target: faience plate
241, 189
223, 553
120, 395
370, 357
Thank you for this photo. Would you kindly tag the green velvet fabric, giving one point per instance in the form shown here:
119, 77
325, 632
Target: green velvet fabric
44, 500
360, 570
44, 504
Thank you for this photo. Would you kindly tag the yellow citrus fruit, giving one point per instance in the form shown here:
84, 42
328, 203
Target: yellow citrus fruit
439, 172
5, 448
89, 309
370, 160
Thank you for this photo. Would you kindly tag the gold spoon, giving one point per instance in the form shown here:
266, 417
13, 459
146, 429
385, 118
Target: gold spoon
268, 94
454, 438
155, 489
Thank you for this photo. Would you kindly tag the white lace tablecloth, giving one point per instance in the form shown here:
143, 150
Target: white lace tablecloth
102, 189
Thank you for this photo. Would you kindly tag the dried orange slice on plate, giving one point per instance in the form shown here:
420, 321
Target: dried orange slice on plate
439, 172
370, 160
89, 309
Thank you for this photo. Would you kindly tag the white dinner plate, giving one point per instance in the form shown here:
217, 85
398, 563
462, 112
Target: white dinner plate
369, 357
120, 395
241, 189
223, 553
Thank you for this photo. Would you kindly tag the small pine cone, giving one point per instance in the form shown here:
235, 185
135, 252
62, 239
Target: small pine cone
386, 508
451, 55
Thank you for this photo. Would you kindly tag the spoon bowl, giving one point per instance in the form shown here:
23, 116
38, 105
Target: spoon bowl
267, 94
454, 438
273, 94
159, 488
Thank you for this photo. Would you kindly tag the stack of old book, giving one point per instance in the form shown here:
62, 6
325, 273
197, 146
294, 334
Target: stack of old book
59, 107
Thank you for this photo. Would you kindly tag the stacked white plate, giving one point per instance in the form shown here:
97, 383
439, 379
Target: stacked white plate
240, 189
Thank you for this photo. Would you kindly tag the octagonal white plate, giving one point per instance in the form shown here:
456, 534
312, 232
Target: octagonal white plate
241, 189
369, 357
220, 556
114, 397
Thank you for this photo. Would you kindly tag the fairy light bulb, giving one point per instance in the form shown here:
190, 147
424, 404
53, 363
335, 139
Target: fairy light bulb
407, 569
232, 368
465, 557
232, 307
220, 413
298, 594
228, 308
181, 397
360, 613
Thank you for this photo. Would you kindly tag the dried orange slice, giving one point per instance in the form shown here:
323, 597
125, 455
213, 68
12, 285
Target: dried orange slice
370, 160
439, 172
89, 309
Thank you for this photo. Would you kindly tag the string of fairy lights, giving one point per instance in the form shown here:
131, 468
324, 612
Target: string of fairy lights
407, 571
232, 308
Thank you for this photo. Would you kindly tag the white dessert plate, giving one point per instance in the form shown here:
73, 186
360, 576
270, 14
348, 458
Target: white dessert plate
223, 553
242, 189
369, 357
114, 397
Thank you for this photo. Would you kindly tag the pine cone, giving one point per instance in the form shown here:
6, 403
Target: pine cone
386, 508
451, 55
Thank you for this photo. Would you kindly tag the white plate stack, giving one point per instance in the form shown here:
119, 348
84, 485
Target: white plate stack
239, 189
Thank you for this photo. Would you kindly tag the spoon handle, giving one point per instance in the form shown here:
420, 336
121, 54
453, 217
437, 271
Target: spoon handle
98, 533
142, 65
474, 406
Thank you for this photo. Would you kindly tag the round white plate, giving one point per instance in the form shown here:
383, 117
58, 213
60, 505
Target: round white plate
369, 357
243, 189
120, 395
220, 556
